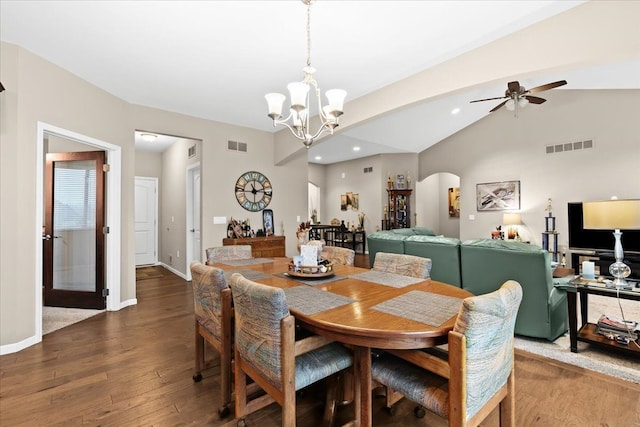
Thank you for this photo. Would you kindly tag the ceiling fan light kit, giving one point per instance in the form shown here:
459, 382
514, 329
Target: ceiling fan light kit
298, 120
517, 96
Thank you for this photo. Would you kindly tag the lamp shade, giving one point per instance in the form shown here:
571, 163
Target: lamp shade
511, 219
611, 215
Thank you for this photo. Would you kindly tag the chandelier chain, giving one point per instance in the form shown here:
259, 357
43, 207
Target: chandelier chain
309, 34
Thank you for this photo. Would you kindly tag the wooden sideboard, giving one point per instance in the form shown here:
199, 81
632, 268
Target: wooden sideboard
261, 247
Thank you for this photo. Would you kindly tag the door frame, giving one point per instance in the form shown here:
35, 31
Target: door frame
113, 184
189, 222
157, 222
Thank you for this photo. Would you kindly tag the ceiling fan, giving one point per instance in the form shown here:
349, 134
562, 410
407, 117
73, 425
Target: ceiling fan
517, 96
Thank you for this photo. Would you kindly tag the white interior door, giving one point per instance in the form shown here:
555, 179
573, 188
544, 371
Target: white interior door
146, 213
193, 215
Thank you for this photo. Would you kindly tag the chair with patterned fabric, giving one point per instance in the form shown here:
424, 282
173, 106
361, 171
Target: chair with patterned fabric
213, 314
338, 255
478, 376
267, 352
406, 265
227, 253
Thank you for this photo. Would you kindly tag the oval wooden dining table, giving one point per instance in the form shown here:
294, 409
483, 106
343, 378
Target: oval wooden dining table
354, 307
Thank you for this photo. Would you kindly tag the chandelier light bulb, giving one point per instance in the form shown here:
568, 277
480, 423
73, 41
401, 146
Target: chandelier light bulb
274, 103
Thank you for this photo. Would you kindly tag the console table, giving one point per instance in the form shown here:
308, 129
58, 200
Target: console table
261, 247
337, 236
588, 332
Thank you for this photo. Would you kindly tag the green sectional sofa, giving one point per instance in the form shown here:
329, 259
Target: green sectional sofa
487, 263
482, 266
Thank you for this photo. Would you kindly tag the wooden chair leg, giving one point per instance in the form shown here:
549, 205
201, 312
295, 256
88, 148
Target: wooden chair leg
199, 354
334, 384
240, 392
508, 404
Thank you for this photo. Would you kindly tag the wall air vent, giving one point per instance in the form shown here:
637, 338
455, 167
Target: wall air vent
368, 169
568, 146
191, 152
237, 146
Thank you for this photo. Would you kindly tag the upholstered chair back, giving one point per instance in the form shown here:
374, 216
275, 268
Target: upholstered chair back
338, 255
488, 322
226, 253
406, 265
258, 312
208, 282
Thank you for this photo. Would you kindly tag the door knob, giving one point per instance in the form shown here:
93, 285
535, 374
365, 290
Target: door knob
46, 237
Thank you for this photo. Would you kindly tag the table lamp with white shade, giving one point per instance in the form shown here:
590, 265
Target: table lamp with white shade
614, 215
511, 219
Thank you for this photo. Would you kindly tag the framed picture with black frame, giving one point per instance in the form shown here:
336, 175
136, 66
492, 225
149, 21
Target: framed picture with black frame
267, 222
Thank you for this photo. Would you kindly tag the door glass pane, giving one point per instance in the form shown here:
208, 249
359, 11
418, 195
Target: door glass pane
74, 225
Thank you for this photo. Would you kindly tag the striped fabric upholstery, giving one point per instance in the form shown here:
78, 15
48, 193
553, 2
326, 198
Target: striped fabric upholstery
406, 265
258, 311
338, 255
487, 322
226, 253
207, 284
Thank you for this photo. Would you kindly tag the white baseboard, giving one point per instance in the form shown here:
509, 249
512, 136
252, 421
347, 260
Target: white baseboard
128, 302
15, 347
174, 271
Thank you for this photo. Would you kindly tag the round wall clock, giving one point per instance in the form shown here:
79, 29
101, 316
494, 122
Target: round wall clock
253, 191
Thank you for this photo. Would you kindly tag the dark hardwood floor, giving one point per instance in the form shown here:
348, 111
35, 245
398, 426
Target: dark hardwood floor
134, 367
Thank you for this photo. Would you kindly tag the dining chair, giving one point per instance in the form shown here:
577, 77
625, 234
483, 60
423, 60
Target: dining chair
213, 324
338, 255
406, 265
227, 253
478, 373
267, 352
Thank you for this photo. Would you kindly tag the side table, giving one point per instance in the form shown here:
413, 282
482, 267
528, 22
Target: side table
588, 332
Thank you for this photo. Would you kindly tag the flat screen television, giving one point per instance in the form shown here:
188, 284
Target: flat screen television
601, 240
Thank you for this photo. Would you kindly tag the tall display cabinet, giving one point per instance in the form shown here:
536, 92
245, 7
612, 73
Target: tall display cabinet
398, 210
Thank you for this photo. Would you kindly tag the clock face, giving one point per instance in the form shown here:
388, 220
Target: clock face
253, 191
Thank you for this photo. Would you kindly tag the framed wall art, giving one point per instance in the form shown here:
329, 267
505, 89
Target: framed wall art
498, 196
454, 202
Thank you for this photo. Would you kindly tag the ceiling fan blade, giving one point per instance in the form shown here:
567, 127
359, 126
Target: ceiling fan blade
547, 86
488, 99
514, 87
534, 99
498, 106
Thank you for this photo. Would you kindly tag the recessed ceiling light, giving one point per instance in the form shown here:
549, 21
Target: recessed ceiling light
149, 137
318, 157
455, 110
356, 148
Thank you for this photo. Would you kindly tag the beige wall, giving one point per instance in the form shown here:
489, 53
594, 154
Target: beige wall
40, 91
148, 164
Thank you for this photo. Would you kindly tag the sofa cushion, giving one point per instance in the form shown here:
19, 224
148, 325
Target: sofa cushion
423, 231
444, 253
403, 231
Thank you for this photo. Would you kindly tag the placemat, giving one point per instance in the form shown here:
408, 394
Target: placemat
311, 301
312, 282
423, 307
248, 261
248, 273
387, 279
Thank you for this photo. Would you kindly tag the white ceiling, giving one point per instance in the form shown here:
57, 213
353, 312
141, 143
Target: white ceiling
217, 59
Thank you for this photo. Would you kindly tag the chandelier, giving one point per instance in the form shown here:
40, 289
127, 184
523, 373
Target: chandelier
299, 117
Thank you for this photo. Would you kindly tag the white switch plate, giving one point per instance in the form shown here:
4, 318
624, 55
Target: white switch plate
219, 219
472, 217
298, 218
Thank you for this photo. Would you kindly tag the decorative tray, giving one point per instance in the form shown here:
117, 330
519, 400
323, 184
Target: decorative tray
310, 271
